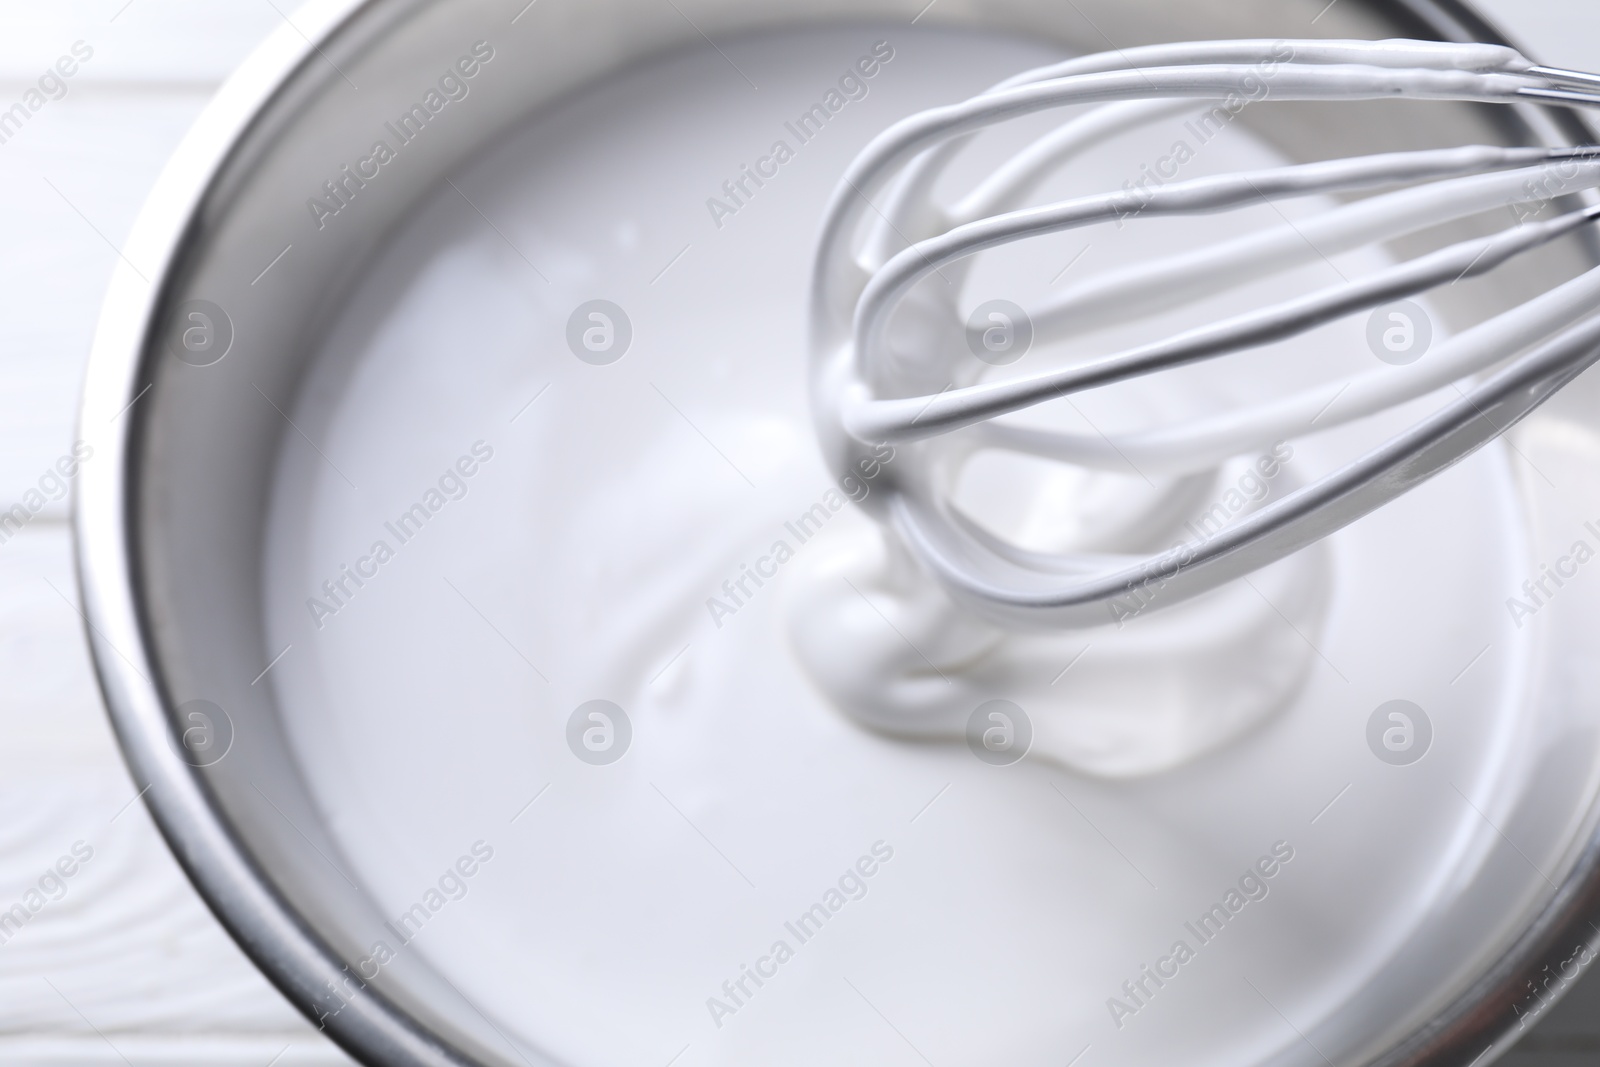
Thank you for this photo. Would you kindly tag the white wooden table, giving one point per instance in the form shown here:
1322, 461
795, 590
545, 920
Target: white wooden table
127, 966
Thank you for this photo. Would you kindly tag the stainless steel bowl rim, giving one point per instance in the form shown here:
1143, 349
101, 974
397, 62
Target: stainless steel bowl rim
219, 862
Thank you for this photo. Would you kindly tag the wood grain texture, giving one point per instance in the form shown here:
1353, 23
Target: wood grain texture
117, 960
80, 169
121, 963
192, 42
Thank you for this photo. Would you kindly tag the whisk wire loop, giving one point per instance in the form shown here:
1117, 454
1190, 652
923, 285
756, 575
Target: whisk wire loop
868, 387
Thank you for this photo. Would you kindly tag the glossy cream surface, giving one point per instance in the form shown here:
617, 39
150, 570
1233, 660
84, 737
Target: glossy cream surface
582, 525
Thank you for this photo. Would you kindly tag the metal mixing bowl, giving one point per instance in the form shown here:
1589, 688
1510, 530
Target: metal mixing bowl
171, 513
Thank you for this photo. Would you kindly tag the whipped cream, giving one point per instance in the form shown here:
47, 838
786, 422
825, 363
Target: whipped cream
771, 745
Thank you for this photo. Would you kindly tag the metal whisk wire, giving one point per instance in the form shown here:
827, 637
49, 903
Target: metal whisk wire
929, 400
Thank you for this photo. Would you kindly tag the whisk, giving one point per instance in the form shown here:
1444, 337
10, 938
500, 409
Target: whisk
923, 392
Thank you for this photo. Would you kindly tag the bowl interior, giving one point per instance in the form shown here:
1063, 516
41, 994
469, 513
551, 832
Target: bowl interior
202, 446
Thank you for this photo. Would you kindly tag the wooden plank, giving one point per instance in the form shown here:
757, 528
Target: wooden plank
77, 175
128, 950
112, 955
144, 1050
127, 966
161, 41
